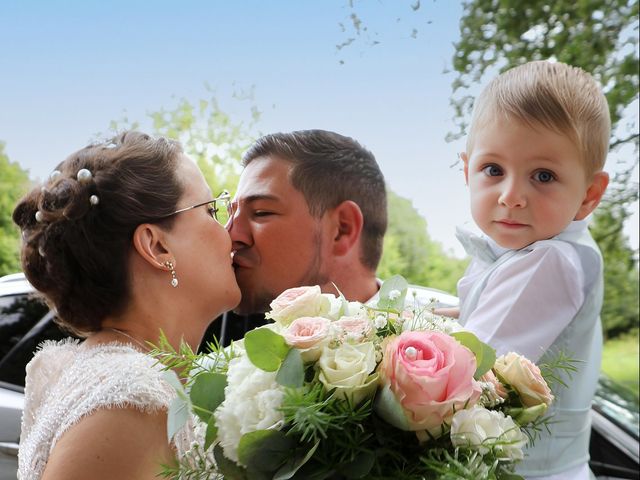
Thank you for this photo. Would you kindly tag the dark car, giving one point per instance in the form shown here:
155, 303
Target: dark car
25, 322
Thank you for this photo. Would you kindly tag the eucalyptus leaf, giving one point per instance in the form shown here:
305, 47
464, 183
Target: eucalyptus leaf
264, 450
266, 349
177, 416
485, 355
291, 372
172, 379
290, 468
207, 392
393, 293
228, 468
388, 408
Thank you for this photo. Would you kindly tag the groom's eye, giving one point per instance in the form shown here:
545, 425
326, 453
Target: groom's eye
492, 170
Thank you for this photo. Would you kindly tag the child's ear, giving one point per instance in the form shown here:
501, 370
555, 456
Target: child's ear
594, 195
465, 161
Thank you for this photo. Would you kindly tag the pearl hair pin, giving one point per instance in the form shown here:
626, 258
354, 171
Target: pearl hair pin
94, 200
84, 175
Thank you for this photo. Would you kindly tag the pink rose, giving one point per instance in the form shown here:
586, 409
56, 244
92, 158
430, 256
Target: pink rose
431, 376
354, 329
525, 377
306, 332
497, 387
298, 302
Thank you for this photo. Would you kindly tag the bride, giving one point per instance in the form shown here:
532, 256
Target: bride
122, 241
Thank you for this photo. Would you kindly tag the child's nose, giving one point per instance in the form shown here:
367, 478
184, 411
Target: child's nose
512, 195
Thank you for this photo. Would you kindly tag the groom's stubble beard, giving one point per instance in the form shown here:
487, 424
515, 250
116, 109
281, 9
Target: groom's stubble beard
259, 300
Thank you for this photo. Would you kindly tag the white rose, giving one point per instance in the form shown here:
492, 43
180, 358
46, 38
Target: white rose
348, 369
252, 402
482, 430
298, 302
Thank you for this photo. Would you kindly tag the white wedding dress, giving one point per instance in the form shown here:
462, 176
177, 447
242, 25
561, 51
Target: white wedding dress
67, 381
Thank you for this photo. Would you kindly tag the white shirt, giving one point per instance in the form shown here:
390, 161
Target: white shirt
530, 299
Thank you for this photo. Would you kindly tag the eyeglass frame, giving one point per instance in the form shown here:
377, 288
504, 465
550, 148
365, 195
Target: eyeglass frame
224, 196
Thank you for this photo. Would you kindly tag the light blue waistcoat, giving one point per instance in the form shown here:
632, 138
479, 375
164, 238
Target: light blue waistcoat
568, 444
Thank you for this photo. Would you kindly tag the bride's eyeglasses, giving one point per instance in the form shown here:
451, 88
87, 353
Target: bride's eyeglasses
220, 208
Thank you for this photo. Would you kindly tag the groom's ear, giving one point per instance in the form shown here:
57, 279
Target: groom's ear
465, 161
348, 222
150, 243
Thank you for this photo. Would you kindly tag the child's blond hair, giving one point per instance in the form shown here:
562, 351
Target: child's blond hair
556, 96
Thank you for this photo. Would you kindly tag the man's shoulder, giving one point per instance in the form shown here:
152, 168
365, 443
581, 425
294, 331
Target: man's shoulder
417, 294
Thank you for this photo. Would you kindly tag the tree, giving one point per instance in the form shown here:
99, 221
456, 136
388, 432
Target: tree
410, 252
208, 135
14, 183
601, 37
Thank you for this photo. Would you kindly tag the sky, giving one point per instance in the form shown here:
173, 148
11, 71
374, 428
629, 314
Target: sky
71, 67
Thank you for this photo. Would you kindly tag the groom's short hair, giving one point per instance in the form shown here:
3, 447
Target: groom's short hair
329, 169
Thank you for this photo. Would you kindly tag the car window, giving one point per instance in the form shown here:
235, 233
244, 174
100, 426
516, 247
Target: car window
25, 322
618, 404
18, 315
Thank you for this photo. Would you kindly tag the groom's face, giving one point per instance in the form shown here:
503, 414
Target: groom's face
277, 243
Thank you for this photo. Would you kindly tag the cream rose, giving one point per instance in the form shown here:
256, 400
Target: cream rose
309, 335
298, 302
348, 369
525, 377
483, 430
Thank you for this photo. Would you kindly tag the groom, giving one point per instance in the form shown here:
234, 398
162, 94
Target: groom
310, 209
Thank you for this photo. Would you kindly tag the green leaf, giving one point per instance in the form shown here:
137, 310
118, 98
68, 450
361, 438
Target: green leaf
359, 467
290, 468
393, 293
177, 416
172, 379
228, 468
291, 372
524, 416
265, 348
207, 393
264, 450
211, 434
485, 355
389, 409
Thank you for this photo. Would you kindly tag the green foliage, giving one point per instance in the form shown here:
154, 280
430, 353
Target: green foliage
620, 360
620, 311
485, 355
410, 252
208, 135
14, 183
596, 35
601, 37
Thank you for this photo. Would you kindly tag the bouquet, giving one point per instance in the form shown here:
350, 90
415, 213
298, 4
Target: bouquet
339, 390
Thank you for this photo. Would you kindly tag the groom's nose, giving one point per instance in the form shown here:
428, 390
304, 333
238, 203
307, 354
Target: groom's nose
239, 230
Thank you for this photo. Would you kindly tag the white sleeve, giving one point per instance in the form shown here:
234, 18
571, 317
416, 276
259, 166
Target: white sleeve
529, 300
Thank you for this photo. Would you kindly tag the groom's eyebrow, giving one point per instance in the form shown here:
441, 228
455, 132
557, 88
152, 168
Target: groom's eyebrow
259, 196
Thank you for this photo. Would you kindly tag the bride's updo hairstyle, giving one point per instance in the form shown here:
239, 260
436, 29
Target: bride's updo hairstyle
77, 227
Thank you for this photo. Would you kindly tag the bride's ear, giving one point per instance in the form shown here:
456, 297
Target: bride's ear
150, 243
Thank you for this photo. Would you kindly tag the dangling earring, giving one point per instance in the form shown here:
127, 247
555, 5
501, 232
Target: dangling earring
174, 278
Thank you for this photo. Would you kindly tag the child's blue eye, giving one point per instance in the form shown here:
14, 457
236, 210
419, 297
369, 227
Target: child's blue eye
492, 170
544, 176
